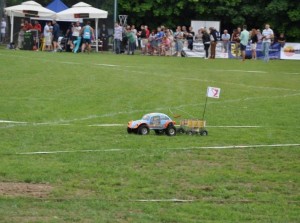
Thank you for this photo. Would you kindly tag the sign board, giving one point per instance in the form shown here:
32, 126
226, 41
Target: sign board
213, 92
290, 51
196, 24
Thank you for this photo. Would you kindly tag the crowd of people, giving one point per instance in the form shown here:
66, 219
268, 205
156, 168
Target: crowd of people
161, 41
164, 42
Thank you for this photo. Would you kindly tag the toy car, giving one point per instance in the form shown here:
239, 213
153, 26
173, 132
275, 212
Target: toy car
159, 122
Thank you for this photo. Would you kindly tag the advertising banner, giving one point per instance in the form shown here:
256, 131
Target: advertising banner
274, 51
198, 50
290, 51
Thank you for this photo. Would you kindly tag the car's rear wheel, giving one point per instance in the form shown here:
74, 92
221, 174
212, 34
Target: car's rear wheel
171, 131
143, 130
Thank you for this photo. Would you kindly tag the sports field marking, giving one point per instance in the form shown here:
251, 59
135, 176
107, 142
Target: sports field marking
164, 200
187, 148
107, 65
13, 122
291, 73
70, 151
243, 71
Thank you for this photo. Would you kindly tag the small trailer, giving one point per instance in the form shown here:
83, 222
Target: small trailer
193, 127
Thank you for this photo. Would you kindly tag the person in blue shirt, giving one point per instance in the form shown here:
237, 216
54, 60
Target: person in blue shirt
88, 34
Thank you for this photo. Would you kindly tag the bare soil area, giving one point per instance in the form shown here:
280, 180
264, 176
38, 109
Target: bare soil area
24, 189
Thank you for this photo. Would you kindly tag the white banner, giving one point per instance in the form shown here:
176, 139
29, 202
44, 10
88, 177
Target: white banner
198, 50
290, 51
213, 92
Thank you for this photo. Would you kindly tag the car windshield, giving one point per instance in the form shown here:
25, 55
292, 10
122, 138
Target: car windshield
146, 117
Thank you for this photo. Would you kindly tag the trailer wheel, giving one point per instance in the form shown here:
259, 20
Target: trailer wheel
181, 130
190, 132
204, 133
143, 130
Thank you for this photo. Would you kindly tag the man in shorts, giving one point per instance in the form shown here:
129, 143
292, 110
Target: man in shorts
55, 33
87, 33
244, 39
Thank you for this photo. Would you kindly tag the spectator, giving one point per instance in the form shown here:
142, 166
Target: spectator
213, 42
130, 34
144, 40
244, 39
118, 37
56, 33
27, 25
178, 38
253, 40
259, 36
236, 39
267, 36
152, 42
206, 41
198, 36
190, 38
21, 36
47, 37
76, 29
281, 39
158, 38
37, 26
104, 37
88, 34
225, 40
3, 30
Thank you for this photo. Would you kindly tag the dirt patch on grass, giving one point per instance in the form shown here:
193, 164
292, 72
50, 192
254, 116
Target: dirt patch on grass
13, 189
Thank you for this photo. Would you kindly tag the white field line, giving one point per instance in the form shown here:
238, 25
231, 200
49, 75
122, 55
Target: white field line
164, 200
70, 151
186, 148
291, 73
243, 71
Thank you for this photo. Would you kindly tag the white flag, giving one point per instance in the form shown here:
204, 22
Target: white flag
213, 92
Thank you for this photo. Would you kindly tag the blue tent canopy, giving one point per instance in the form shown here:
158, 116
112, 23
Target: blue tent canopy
57, 6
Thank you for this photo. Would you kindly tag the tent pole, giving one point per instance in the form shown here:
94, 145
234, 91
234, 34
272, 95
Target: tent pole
12, 27
96, 34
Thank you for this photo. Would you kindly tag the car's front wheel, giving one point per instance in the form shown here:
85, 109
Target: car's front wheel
143, 130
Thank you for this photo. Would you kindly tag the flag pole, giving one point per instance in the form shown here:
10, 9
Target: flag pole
204, 108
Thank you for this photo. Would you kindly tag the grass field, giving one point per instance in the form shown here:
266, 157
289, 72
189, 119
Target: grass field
246, 169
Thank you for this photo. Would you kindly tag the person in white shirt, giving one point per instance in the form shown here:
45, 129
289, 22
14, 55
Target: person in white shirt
225, 39
47, 37
267, 36
3, 30
76, 29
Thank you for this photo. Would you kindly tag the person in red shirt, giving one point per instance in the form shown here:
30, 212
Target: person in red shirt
37, 26
27, 25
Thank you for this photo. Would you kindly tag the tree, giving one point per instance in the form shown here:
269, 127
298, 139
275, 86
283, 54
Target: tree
283, 15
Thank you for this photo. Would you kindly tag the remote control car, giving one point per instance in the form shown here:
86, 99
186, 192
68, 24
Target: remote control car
159, 122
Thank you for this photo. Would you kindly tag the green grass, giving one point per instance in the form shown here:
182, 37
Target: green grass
62, 97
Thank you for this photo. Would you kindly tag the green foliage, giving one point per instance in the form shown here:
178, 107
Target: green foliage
283, 15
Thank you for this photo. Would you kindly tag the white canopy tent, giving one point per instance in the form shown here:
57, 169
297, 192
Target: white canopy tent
27, 9
84, 11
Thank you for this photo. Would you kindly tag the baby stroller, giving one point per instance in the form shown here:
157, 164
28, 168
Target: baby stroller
62, 44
